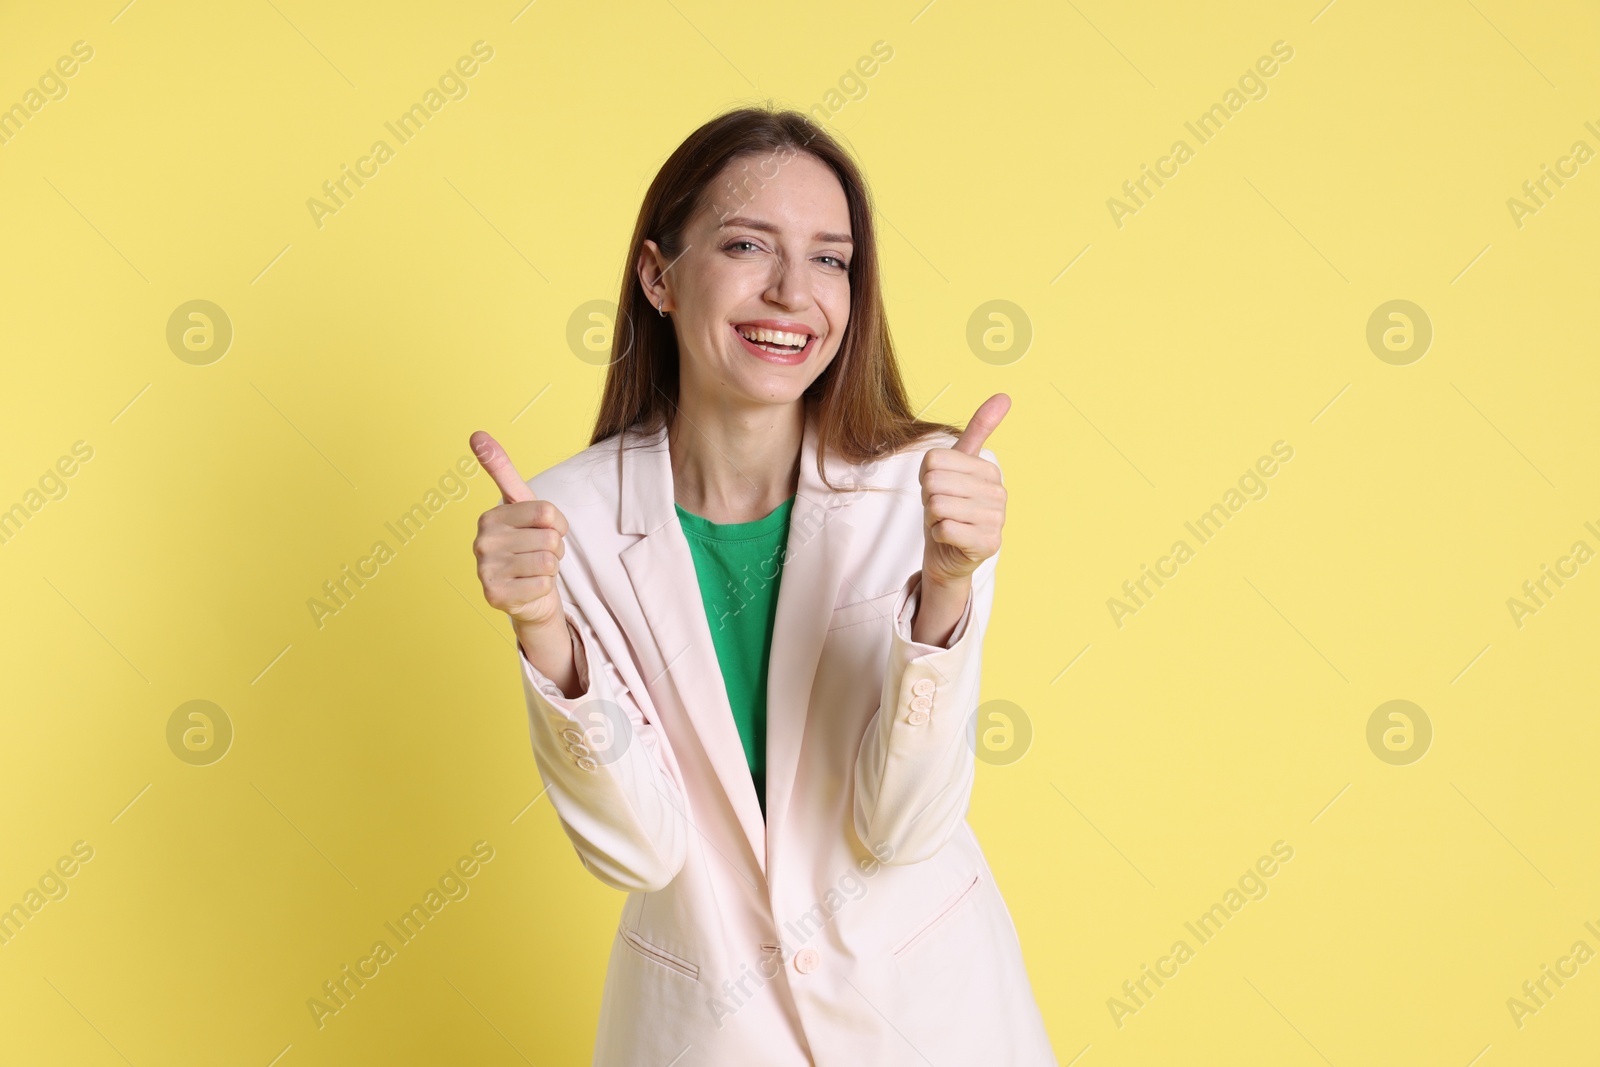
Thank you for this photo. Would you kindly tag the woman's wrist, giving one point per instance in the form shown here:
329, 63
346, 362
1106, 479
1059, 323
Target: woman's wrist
548, 646
940, 605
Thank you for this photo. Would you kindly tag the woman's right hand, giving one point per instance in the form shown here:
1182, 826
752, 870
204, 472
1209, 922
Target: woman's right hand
519, 546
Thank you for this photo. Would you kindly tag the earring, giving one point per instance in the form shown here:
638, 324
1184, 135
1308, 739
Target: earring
663, 314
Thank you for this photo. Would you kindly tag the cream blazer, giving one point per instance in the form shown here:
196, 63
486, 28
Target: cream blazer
859, 923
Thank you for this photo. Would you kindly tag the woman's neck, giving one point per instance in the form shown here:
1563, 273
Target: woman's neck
735, 465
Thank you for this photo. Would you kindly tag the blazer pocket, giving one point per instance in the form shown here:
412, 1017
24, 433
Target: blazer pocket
874, 608
945, 911
660, 955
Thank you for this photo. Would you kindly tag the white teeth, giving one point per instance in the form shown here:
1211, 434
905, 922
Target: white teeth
779, 337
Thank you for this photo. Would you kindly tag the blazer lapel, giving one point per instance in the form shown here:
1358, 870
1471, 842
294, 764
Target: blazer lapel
662, 572
814, 567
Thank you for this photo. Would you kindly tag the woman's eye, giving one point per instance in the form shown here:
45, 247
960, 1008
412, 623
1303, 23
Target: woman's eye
841, 264
736, 244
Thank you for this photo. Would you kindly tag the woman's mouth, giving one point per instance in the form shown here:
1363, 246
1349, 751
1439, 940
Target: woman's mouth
775, 346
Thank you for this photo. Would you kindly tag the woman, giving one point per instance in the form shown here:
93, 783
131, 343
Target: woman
750, 619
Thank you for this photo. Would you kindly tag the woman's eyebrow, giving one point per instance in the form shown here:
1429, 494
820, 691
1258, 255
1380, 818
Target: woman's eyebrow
767, 227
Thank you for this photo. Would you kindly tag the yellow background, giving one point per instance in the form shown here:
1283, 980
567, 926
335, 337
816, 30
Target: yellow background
1229, 313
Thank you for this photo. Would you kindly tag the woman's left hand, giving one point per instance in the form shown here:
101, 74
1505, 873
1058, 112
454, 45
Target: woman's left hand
963, 502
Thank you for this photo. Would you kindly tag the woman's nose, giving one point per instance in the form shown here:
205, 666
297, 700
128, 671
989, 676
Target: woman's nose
789, 286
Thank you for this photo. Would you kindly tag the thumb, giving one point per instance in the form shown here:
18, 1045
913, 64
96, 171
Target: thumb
493, 459
982, 423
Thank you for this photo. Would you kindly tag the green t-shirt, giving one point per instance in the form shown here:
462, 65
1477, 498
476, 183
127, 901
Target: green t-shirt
739, 566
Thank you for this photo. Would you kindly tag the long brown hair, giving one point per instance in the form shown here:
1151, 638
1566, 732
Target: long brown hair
863, 412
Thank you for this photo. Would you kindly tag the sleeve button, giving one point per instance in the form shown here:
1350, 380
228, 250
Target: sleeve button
921, 703
917, 718
923, 687
587, 764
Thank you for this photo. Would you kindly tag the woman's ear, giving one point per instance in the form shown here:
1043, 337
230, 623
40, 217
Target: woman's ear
652, 267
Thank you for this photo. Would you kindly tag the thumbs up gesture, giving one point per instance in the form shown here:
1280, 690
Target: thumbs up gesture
519, 545
963, 502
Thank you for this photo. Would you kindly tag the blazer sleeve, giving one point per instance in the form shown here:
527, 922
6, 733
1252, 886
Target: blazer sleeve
916, 764
607, 766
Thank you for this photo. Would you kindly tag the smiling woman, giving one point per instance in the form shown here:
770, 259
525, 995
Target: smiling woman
787, 249
749, 673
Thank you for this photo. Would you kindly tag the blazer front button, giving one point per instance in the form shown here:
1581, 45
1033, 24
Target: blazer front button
923, 687
921, 703
917, 718
805, 961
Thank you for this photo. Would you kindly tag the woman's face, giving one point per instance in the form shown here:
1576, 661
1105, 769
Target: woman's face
768, 251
